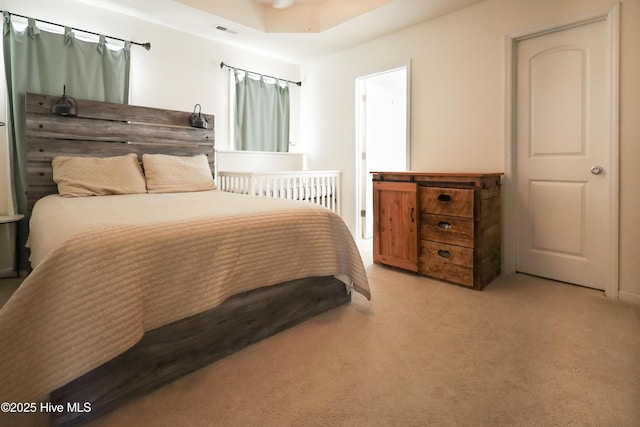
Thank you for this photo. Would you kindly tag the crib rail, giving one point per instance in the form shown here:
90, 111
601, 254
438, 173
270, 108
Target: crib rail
318, 187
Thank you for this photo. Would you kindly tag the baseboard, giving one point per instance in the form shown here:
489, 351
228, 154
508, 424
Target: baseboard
631, 297
7, 272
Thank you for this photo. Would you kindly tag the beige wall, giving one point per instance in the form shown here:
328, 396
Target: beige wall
458, 87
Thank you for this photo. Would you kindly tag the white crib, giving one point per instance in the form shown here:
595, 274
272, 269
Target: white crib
280, 175
319, 187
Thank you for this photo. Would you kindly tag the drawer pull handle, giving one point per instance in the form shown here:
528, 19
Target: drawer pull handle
444, 197
444, 225
411, 215
444, 254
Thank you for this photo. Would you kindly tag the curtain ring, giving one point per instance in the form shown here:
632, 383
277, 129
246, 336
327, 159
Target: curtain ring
102, 44
68, 36
7, 22
33, 28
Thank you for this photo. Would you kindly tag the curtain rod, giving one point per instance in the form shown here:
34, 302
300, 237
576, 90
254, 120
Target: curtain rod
144, 45
222, 65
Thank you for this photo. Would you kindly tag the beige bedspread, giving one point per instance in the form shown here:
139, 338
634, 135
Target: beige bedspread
109, 268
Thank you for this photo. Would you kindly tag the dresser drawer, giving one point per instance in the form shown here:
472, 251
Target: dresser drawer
446, 262
447, 201
447, 229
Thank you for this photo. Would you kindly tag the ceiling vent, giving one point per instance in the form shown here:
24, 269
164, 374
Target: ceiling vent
225, 29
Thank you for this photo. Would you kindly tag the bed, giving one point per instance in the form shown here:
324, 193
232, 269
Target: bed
129, 292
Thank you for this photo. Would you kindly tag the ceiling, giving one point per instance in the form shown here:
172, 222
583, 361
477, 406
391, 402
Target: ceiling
302, 31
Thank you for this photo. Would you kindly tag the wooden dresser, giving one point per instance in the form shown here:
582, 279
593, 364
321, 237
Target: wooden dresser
441, 225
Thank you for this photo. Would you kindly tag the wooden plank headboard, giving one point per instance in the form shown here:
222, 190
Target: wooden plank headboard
103, 129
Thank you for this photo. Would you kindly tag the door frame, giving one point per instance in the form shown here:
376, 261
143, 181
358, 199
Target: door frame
359, 145
612, 17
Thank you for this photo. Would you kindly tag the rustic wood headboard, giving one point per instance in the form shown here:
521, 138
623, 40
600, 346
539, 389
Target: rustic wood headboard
103, 129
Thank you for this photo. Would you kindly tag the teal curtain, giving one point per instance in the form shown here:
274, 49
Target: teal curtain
262, 115
43, 62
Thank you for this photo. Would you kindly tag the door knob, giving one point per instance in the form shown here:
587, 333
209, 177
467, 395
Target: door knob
596, 170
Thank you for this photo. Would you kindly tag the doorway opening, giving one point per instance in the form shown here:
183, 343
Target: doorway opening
382, 134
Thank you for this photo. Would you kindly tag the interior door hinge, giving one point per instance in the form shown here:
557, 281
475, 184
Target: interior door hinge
363, 213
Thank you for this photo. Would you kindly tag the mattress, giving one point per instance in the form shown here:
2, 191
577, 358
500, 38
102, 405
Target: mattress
109, 268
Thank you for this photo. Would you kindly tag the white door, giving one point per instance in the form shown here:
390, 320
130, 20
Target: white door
563, 165
382, 133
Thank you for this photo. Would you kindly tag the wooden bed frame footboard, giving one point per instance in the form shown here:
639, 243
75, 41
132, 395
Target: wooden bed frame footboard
172, 351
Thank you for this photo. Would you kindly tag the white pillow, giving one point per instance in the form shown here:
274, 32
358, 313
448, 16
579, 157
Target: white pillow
175, 174
98, 176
